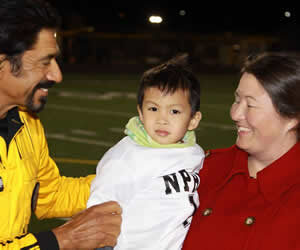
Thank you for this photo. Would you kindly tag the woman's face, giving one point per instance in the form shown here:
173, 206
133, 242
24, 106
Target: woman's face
260, 128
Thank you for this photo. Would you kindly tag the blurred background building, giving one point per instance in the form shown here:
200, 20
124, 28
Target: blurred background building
122, 36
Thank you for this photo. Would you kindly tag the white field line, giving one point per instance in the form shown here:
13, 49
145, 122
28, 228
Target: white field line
83, 132
215, 106
91, 111
116, 94
93, 96
64, 137
128, 115
216, 125
117, 130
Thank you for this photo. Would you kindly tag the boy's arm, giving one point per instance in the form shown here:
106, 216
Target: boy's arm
113, 182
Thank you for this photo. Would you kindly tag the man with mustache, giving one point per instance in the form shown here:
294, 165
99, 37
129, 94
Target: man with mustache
30, 181
43, 99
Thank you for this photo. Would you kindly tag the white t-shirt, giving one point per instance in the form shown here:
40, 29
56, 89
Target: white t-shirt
156, 188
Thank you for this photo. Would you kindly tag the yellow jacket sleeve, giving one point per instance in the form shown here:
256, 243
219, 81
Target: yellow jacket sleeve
30, 181
59, 196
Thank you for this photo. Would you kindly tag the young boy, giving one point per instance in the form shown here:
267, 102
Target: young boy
153, 171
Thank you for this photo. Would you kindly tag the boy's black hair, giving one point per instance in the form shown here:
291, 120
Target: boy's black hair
169, 77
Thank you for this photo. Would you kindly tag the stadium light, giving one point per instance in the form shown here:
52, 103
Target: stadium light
287, 14
155, 19
182, 12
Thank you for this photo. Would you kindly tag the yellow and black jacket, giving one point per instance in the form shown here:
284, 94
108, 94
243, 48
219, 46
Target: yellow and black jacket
30, 181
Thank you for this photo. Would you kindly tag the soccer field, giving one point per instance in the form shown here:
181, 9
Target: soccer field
86, 115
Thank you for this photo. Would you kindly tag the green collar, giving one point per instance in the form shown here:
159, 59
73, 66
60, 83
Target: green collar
136, 131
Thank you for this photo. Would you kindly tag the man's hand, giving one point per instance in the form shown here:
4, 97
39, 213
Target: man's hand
94, 227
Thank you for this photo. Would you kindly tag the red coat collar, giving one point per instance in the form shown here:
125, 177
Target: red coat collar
275, 179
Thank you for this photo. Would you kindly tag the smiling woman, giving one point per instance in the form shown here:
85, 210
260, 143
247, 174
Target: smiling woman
262, 131
250, 191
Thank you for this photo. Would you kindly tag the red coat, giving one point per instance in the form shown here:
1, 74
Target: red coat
238, 212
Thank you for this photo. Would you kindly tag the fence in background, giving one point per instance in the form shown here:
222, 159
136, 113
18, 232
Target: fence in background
219, 51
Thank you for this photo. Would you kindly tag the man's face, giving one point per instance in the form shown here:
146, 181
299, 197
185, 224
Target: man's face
38, 73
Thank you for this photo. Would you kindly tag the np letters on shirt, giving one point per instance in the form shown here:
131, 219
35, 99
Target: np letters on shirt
183, 181
189, 182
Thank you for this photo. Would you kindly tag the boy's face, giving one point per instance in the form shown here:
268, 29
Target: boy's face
167, 117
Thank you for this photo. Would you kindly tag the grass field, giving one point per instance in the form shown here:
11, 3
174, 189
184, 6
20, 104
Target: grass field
86, 114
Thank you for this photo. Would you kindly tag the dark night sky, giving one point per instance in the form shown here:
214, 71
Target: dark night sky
201, 17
